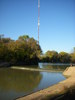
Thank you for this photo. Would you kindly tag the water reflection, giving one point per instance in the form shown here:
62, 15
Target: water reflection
18, 80
52, 66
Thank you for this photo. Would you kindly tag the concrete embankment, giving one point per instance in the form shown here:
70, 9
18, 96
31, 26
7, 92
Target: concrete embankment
64, 89
70, 71
35, 69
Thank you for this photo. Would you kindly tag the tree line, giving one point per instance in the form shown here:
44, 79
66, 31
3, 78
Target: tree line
26, 51
55, 57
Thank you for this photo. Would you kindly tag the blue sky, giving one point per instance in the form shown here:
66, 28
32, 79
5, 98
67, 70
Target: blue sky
57, 22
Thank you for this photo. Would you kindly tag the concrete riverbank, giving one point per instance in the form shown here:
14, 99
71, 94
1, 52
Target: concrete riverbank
64, 89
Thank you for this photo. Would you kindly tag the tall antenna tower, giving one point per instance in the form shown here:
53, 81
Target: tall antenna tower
38, 18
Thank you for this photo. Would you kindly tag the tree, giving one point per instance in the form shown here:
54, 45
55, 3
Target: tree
53, 56
23, 38
3, 52
64, 57
25, 50
6, 40
73, 56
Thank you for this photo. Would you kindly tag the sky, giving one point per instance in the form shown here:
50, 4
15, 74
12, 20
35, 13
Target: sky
57, 22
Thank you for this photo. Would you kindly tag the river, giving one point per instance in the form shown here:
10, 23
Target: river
15, 83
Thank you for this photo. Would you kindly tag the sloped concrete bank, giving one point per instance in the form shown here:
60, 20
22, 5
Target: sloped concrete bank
70, 71
64, 90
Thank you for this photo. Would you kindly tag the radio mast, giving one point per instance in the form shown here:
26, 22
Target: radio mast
38, 18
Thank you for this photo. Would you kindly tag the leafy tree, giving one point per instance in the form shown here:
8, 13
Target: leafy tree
25, 50
73, 56
3, 52
64, 57
24, 38
6, 40
53, 56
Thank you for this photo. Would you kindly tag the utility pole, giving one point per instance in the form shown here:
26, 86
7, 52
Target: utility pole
38, 18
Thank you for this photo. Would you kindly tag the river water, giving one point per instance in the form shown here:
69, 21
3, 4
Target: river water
15, 83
